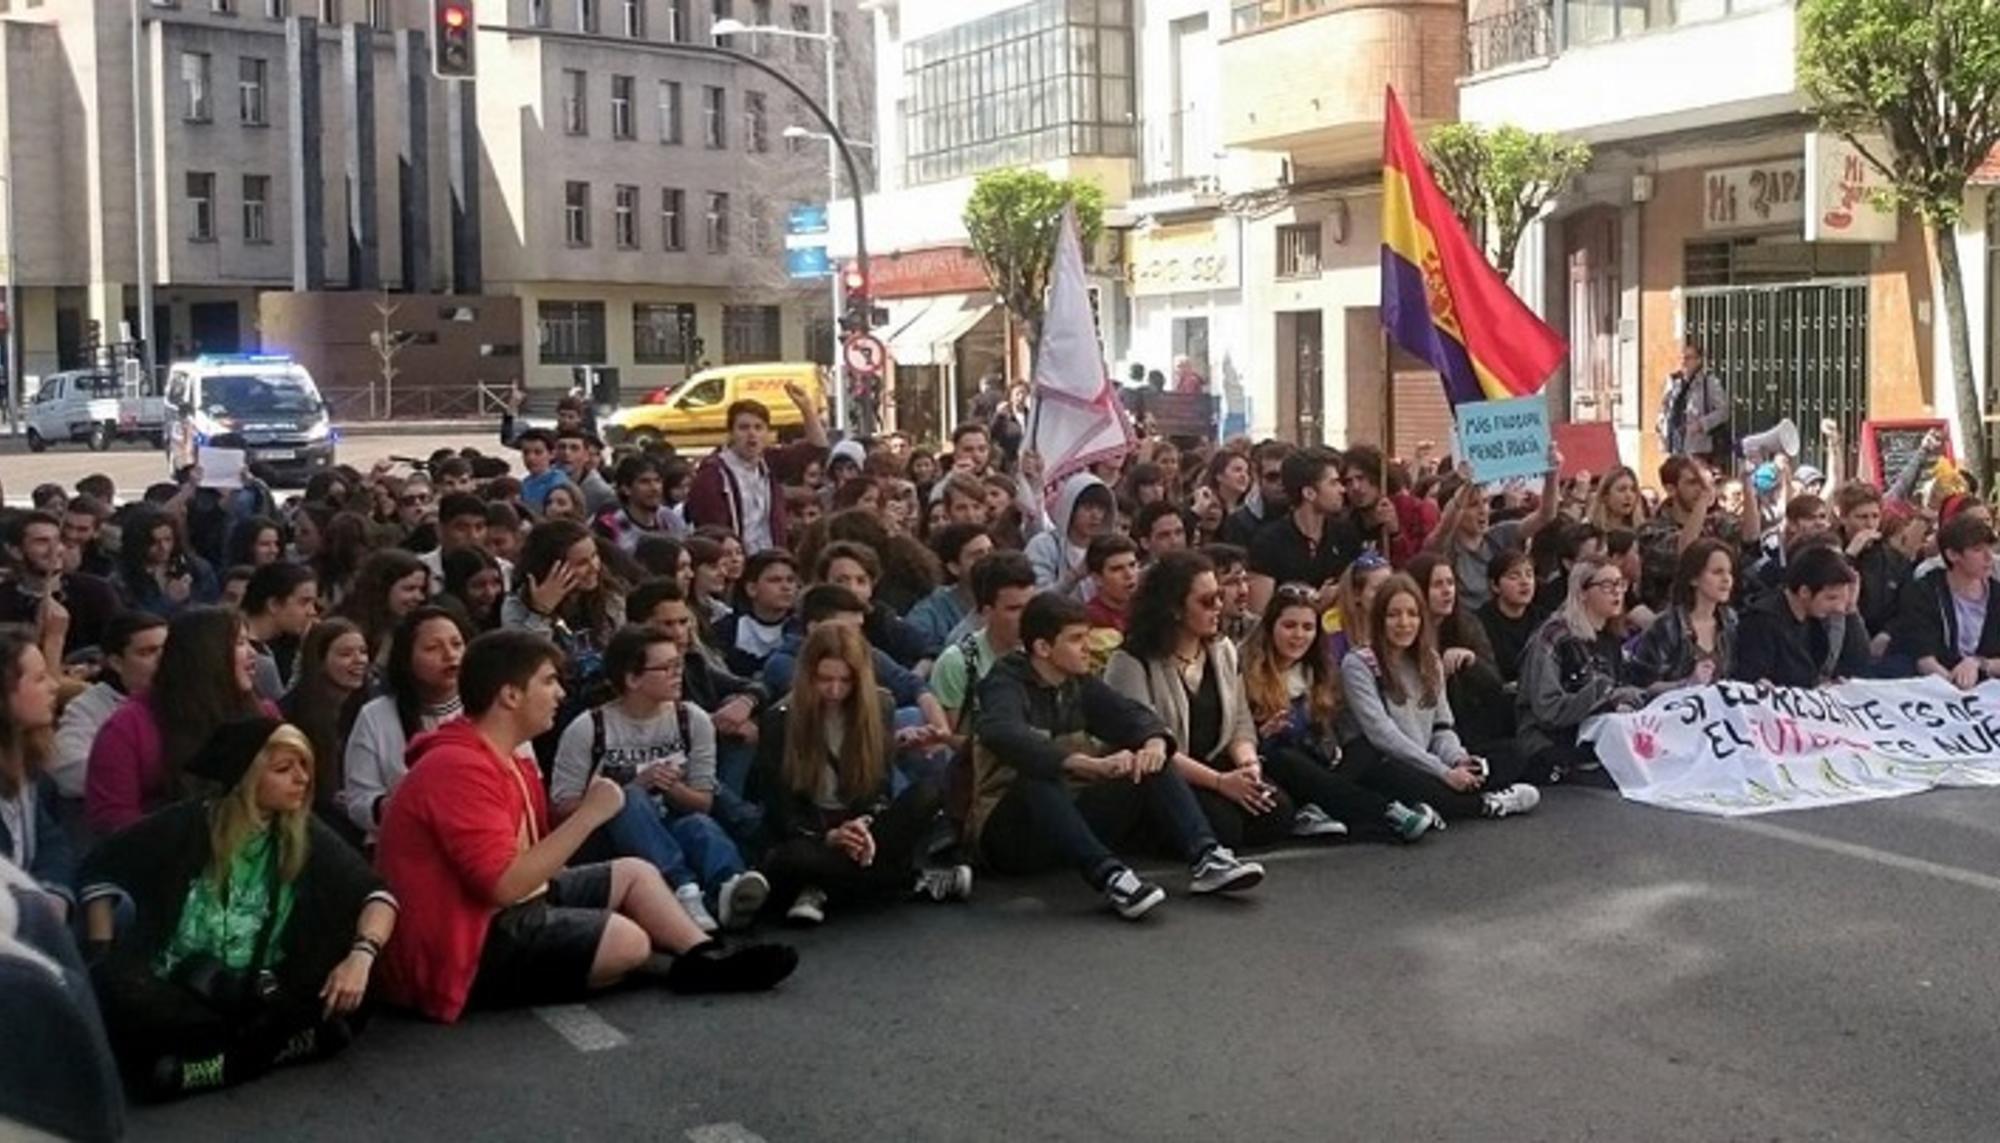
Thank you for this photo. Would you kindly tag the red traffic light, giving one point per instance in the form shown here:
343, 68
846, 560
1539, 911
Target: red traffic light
454, 16
852, 279
451, 39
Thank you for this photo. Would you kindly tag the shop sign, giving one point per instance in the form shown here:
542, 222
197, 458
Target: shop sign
922, 273
1186, 258
1756, 197
1843, 200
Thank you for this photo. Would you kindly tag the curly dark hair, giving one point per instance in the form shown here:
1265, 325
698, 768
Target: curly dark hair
1161, 602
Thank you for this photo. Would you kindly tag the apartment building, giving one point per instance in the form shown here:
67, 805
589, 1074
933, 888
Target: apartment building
627, 205
1704, 217
964, 88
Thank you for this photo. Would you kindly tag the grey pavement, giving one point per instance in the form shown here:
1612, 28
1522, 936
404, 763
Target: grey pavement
1596, 971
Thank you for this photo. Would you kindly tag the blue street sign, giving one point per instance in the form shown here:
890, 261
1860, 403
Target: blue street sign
807, 262
807, 219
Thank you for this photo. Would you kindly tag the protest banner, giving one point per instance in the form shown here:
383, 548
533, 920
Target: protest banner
1735, 748
1503, 440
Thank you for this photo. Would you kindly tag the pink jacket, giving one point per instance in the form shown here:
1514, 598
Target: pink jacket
126, 777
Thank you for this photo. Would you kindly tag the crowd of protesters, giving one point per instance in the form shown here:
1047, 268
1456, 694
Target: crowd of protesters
462, 737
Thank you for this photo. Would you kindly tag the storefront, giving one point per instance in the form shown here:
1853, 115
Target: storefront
1184, 279
945, 332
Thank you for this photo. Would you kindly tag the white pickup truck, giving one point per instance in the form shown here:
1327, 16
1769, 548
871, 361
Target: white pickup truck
93, 406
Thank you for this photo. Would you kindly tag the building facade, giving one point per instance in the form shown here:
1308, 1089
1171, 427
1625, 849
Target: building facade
1710, 213
629, 203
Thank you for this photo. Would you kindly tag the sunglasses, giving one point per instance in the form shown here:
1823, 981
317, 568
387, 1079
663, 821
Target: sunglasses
415, 501
1209, 602
1297, 593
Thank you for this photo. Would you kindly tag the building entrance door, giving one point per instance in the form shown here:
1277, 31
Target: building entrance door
1796, 350
1302, 377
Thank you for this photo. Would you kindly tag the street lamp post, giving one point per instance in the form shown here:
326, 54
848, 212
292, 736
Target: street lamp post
733, 27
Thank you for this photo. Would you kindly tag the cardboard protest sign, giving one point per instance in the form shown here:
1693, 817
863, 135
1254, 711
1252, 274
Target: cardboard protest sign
1733, 748
1502, 440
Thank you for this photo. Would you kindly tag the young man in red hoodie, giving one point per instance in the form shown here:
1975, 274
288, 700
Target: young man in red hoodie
498, 919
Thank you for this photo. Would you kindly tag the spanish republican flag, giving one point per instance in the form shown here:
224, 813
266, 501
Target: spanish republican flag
1441, 299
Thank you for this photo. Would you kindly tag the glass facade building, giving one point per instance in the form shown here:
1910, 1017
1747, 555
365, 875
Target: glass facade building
1047, 80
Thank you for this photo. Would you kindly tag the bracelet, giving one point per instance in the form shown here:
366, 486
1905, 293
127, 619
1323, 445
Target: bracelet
369, 945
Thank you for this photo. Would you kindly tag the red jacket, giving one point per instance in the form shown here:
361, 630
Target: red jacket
451, 830
713, 496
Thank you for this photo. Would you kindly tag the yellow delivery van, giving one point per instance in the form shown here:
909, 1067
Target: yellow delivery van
690, 414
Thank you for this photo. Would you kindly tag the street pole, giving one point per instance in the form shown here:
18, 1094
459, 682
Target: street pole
832, 193
148, 354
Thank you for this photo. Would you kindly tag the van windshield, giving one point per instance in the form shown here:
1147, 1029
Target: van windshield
245, 395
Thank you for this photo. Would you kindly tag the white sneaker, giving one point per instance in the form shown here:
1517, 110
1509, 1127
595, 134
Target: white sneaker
945, 883
1519, 798
808, 909
1220, 871
1311, 821
740, 898
689, 896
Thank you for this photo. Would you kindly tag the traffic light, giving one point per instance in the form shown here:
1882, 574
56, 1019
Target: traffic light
853, 280
451, 39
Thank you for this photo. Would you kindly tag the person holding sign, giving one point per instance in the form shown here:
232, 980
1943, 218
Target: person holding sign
1948, 622
1575, 668
1470, 540
1806, 635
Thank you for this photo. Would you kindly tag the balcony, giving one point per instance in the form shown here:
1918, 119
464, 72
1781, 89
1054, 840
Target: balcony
1282, 90
1515, 36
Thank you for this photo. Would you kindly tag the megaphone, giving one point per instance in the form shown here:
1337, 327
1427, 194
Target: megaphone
1780, 439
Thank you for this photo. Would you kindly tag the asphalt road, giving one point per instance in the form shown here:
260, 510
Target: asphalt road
1597, 971
135, 466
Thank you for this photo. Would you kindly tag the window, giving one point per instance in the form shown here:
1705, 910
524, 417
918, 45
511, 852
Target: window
201, 206
621, 107
625, 217
760, 225
572, 333
751, 333
802, 21
756, 134
718, 11
576, 102
256, 206
718, 222
760, 17
222, 7
586, 16
714, 128
196, 107
678, 28
329, 11
1298, 250
274, 9
673, 215
1041, 81
538, 13
662, 333
634, 22
250, 91
670, 112
378, 15
576, 213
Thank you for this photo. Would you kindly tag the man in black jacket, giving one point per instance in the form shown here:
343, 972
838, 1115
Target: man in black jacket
1948, 623
1806, 634
1065, 768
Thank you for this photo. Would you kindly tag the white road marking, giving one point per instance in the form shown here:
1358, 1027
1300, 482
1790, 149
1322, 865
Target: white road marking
1867, 853
585, 1030
723, 1133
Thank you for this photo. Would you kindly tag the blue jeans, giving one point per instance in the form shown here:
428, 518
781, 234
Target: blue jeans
686, 849
914, 767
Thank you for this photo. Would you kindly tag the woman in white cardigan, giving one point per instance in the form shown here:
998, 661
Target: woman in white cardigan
1175, 661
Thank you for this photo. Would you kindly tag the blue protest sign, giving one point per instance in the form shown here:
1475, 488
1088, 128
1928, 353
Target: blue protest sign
1502, 440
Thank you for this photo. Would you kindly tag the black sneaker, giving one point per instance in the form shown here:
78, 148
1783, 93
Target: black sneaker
944, 883
1220, 871
1132, 897
710, 967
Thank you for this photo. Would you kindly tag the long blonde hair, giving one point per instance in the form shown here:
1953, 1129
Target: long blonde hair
1599, 513
1575, 610
863, 759
233, 820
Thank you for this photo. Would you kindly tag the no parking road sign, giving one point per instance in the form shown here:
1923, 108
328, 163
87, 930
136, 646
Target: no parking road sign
865, 354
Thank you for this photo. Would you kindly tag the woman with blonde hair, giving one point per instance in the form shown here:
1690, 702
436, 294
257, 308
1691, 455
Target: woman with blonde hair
1616, 502
1398, 736
254, 931
1573, 668
826, 764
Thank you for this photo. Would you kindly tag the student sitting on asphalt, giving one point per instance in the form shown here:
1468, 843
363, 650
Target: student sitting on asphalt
662, 751
825, 758
1806, 634
1574, 667
1045, 723
1948, 624
495, 917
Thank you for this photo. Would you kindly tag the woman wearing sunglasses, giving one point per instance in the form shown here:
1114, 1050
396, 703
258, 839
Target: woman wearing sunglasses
1574, 668
1175, 662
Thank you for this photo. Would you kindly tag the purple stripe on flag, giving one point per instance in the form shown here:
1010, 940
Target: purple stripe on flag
1406, 313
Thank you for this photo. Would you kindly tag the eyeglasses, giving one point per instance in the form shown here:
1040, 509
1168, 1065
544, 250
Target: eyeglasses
1613, 584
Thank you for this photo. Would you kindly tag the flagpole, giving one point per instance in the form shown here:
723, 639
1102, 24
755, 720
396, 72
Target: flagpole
1388, 405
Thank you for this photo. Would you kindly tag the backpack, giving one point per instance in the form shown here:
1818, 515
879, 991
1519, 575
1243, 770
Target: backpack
959, 777
597, 736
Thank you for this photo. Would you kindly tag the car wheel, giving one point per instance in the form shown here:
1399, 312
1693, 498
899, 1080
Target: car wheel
100, 437
646, 439
36, 443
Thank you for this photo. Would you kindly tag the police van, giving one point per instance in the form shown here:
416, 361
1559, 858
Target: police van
229, 411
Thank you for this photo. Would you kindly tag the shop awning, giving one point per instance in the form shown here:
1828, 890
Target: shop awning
922, 331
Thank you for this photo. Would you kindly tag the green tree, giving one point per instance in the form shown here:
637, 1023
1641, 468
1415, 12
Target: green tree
1925, 76
1499, 179
1012, 218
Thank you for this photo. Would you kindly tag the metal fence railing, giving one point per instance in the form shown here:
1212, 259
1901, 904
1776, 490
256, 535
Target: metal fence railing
1517, 35
377, 402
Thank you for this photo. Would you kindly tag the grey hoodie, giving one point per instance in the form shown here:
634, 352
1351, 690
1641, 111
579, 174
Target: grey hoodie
1052, 553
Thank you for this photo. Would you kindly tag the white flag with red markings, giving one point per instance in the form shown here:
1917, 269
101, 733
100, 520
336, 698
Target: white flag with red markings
1077, 419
